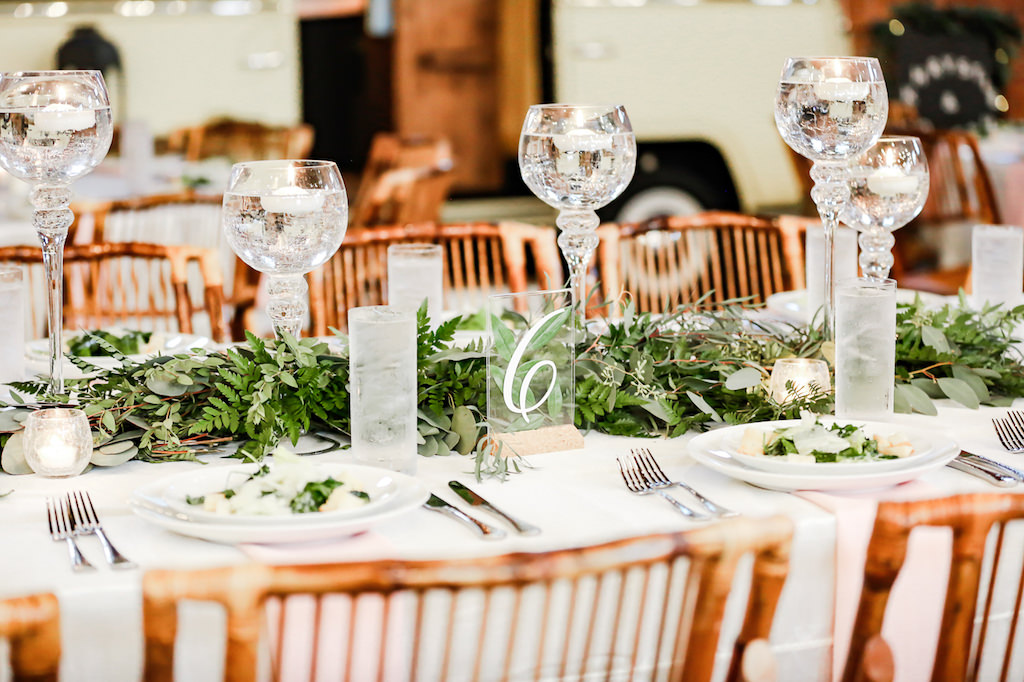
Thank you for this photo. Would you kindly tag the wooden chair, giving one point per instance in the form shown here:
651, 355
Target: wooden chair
185, 217
664, 262
142, 285
242, 141
32, 627
556, 614
406, 180
479, 259
971, 518
960, 194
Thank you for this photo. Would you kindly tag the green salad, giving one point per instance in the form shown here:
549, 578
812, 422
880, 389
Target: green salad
288, 485
88, 345
811, 441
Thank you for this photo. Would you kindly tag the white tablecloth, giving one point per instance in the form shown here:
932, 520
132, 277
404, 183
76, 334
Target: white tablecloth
576, 497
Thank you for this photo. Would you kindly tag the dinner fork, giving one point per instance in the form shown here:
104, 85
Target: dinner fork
638, 486
60, 529
1010, 430
656, 478
87, 522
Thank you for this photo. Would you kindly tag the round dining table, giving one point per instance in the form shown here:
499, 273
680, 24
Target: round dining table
576, 497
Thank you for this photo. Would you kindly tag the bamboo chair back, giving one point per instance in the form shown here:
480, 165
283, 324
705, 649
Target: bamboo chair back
406, 180
665, 262
479, 259
31, 625
647, 603
182, 218
144, 286
242, 141
972, 519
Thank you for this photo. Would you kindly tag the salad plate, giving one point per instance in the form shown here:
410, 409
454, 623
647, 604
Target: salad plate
163, 503
717, 450
37, 351
792, 305
923, 445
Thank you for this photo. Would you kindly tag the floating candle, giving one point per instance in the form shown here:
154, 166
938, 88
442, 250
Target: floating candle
58, 117
889, 182
292, 200
841, 89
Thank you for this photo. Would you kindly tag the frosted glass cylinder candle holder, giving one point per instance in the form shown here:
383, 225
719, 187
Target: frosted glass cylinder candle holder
794, 378
12, 312
865, 348
58, 442
382, 375
415, 274
845, 264
997, 264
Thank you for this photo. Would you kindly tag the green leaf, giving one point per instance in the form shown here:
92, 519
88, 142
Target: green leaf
977, 384
960, 391
915, 399
504, 341
744, 378
703, 405
933, 338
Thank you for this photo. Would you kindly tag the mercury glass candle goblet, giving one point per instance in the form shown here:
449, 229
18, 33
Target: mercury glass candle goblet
830, 110
888, 188
55, 126
284, 218
577, 159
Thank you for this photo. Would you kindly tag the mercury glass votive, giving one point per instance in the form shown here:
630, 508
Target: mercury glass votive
58, 442
794, 378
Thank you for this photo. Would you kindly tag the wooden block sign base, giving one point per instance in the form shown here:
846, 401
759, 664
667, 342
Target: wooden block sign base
537, 441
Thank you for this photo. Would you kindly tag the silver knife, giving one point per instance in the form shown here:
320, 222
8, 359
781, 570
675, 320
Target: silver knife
965, 465
998, 467
435, 503
474, 499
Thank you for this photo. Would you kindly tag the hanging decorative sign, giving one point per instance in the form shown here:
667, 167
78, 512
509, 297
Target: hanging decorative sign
531, 370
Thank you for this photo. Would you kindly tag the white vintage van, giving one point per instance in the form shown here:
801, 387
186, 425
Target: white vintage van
698, 79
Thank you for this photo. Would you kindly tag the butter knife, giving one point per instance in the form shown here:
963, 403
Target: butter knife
435, 503
992, 464
965, 465
474, 499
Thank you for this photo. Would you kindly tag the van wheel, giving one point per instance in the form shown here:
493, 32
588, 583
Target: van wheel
669, 191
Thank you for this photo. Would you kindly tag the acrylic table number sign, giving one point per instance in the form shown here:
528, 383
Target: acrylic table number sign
531, 372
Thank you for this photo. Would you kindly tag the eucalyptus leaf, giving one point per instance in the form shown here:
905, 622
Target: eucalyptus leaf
12, 460
744, 378
960, 391
915, 399
703, 405
504, 340
933, 338
977, 384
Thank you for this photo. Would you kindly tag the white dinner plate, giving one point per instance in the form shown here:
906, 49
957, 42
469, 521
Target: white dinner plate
158, 503
923, 444
715, 450
380, 484
792, 305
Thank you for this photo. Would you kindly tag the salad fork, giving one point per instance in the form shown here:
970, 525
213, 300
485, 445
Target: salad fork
60, 529
637, 485
1010, 431
656, 478
87, 522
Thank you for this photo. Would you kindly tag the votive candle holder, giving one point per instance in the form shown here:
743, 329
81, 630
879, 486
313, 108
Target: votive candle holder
58, 442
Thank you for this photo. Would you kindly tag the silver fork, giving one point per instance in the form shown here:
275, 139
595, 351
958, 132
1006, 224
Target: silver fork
638, 486
87, 522
60, 529
1010, 431
656, 478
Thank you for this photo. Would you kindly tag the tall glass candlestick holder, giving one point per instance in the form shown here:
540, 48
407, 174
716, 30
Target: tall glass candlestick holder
888, 188
284, 218
577, 158
830, 110
55, 126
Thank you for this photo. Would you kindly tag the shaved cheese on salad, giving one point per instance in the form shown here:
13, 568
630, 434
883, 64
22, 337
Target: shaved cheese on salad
288, 484
811, 441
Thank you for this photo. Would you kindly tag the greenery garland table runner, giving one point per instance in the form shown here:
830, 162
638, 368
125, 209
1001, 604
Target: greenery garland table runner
713, 350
